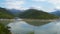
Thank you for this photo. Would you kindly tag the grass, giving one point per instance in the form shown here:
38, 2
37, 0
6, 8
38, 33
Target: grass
31, 33
6, 21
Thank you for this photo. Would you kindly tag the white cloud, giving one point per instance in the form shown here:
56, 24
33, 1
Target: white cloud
54, 1
50, 1
16, 4
49, 10
42, 8
37, 7
19, 4
58, 7
39, 0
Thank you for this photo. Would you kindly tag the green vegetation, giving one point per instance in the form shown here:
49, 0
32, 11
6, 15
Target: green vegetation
31, 33
4, 13
4, 29
6, 21
36, 14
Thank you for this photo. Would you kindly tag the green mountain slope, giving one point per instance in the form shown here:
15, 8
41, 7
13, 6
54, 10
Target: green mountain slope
36, 14
5, 13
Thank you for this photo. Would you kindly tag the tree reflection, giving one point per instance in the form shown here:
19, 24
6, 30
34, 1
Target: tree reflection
36, 24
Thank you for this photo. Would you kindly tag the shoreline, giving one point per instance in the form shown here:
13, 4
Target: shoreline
29, 20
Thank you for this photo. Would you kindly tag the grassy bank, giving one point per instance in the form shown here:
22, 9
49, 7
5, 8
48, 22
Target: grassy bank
6, 21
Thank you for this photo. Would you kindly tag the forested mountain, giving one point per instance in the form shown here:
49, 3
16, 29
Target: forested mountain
30, 13
36, 14
4, 13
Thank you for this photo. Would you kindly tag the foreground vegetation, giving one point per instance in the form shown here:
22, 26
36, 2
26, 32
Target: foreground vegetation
6, 21
4, 29
30, 33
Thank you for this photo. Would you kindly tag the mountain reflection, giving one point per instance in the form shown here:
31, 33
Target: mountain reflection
22, 27
38, 23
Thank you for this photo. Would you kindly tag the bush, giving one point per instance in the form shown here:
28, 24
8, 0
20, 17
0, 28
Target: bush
4, 29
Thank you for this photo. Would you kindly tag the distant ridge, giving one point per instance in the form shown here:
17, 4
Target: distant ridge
15, 12
56, 12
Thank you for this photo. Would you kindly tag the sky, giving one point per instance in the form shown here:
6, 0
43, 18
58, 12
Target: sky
46, 5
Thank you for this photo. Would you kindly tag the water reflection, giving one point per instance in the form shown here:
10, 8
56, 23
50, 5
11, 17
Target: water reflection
21, 27
38, 23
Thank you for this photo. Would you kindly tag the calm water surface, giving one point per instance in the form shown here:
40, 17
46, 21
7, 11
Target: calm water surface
21, 27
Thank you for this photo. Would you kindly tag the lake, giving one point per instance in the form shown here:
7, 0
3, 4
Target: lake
22, 27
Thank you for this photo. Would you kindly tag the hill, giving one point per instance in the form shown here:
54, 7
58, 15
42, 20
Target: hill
36, 14
4, 13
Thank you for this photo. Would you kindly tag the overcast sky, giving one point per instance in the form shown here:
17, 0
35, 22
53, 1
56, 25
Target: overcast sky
46, 5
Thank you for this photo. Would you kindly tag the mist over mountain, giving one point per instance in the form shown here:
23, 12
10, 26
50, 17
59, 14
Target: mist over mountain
56, 12
15, 11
